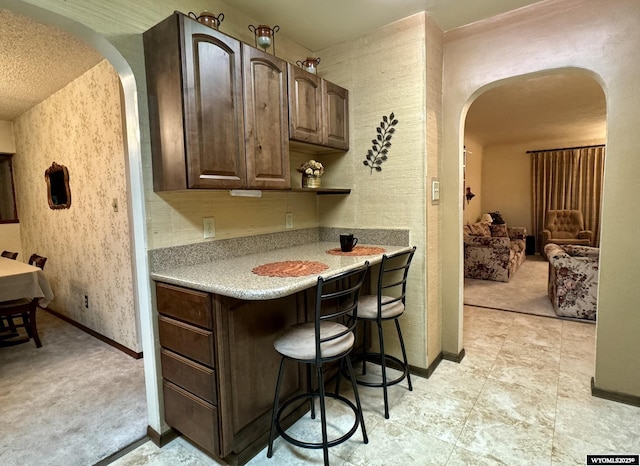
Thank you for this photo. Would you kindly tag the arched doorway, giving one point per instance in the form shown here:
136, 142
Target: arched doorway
564, 108
134, 186
453, 298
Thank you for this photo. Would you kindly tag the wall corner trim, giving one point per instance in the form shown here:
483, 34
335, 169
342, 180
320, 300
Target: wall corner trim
632, 400
161, 439
453, 356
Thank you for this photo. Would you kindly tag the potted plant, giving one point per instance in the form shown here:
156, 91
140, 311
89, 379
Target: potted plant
311, 172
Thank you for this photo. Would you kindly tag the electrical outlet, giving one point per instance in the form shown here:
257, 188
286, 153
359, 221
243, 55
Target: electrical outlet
209, 227
86, 301
288, 220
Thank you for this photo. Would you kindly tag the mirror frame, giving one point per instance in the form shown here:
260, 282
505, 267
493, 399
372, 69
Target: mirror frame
53, 169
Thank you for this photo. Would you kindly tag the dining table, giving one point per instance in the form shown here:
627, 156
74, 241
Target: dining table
18, 281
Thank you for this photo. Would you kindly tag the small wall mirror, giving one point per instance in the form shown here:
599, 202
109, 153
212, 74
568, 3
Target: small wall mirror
8, 209
58, 191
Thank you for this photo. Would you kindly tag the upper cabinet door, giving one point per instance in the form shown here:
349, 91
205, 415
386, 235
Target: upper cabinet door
214, 127
305, 106
266, 116
335, 112
194, 87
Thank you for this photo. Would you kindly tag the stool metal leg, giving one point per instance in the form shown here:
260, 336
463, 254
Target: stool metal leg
274, 414
323, 417
404, 355
365, 348
311, 401
339, 376
383, 363
352, 376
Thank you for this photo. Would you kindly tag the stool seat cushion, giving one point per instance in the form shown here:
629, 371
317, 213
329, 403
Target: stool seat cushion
299, 341
368, 307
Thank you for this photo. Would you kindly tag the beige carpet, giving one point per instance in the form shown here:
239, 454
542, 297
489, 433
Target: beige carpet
75, 401
526, 292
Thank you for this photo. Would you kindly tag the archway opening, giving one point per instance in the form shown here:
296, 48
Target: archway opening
133, 192
560, 110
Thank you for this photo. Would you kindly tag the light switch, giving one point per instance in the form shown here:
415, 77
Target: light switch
114, 204
435, 191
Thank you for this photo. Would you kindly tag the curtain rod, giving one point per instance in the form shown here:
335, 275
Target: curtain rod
564, 148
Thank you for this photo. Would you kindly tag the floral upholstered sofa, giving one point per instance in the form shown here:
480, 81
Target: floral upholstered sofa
493, 252
573, 280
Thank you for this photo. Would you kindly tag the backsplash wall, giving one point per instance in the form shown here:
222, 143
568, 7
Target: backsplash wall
87, 245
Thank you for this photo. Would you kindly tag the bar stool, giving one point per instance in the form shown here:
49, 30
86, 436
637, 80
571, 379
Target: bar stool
387, 304
324, 340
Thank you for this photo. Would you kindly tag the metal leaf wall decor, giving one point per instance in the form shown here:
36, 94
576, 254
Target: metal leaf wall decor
381, 144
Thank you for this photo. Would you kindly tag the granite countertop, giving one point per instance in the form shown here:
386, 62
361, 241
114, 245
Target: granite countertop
233, 277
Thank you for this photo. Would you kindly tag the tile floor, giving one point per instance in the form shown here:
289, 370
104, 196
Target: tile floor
521, 395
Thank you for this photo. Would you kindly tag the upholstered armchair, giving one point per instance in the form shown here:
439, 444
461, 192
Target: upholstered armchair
565, 227
573, 280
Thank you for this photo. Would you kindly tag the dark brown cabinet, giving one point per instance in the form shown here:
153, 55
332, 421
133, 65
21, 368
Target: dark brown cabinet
194, 87
217, 110
248, 366
219, 366
305, 106
190, 387
318, 110
335, 115
223, 114
266, 119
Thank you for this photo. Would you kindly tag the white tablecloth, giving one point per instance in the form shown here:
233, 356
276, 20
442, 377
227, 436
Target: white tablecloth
19, 280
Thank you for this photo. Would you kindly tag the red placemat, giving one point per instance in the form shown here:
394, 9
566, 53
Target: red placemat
357, 251
290, 269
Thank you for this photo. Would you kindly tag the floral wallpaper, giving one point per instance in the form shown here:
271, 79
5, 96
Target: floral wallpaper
87, 245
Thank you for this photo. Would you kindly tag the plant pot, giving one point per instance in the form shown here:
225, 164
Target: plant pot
310, 181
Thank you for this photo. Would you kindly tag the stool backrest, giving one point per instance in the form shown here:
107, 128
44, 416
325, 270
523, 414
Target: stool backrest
392, 280
337, 299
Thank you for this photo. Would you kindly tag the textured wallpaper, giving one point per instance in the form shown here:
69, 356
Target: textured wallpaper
87, 246
395, 197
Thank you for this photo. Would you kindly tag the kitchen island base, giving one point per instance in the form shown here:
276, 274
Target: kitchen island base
217, 322
219, 367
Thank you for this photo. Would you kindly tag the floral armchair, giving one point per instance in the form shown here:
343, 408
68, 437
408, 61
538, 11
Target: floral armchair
493, 252
573, 280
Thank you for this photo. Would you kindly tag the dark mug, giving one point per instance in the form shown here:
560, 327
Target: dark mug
347, 242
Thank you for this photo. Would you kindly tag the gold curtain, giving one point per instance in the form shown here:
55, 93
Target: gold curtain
568, 179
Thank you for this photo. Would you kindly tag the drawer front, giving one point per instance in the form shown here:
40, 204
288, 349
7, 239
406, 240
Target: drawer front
192, 417
184, 304
193, 377
187, 340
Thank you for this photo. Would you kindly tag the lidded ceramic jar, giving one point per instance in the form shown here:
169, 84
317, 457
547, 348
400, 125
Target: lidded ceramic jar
208, 19
310, 64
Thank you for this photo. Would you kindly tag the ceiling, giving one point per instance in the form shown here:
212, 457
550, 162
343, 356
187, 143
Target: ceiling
548, 107
318, 24
36, 61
